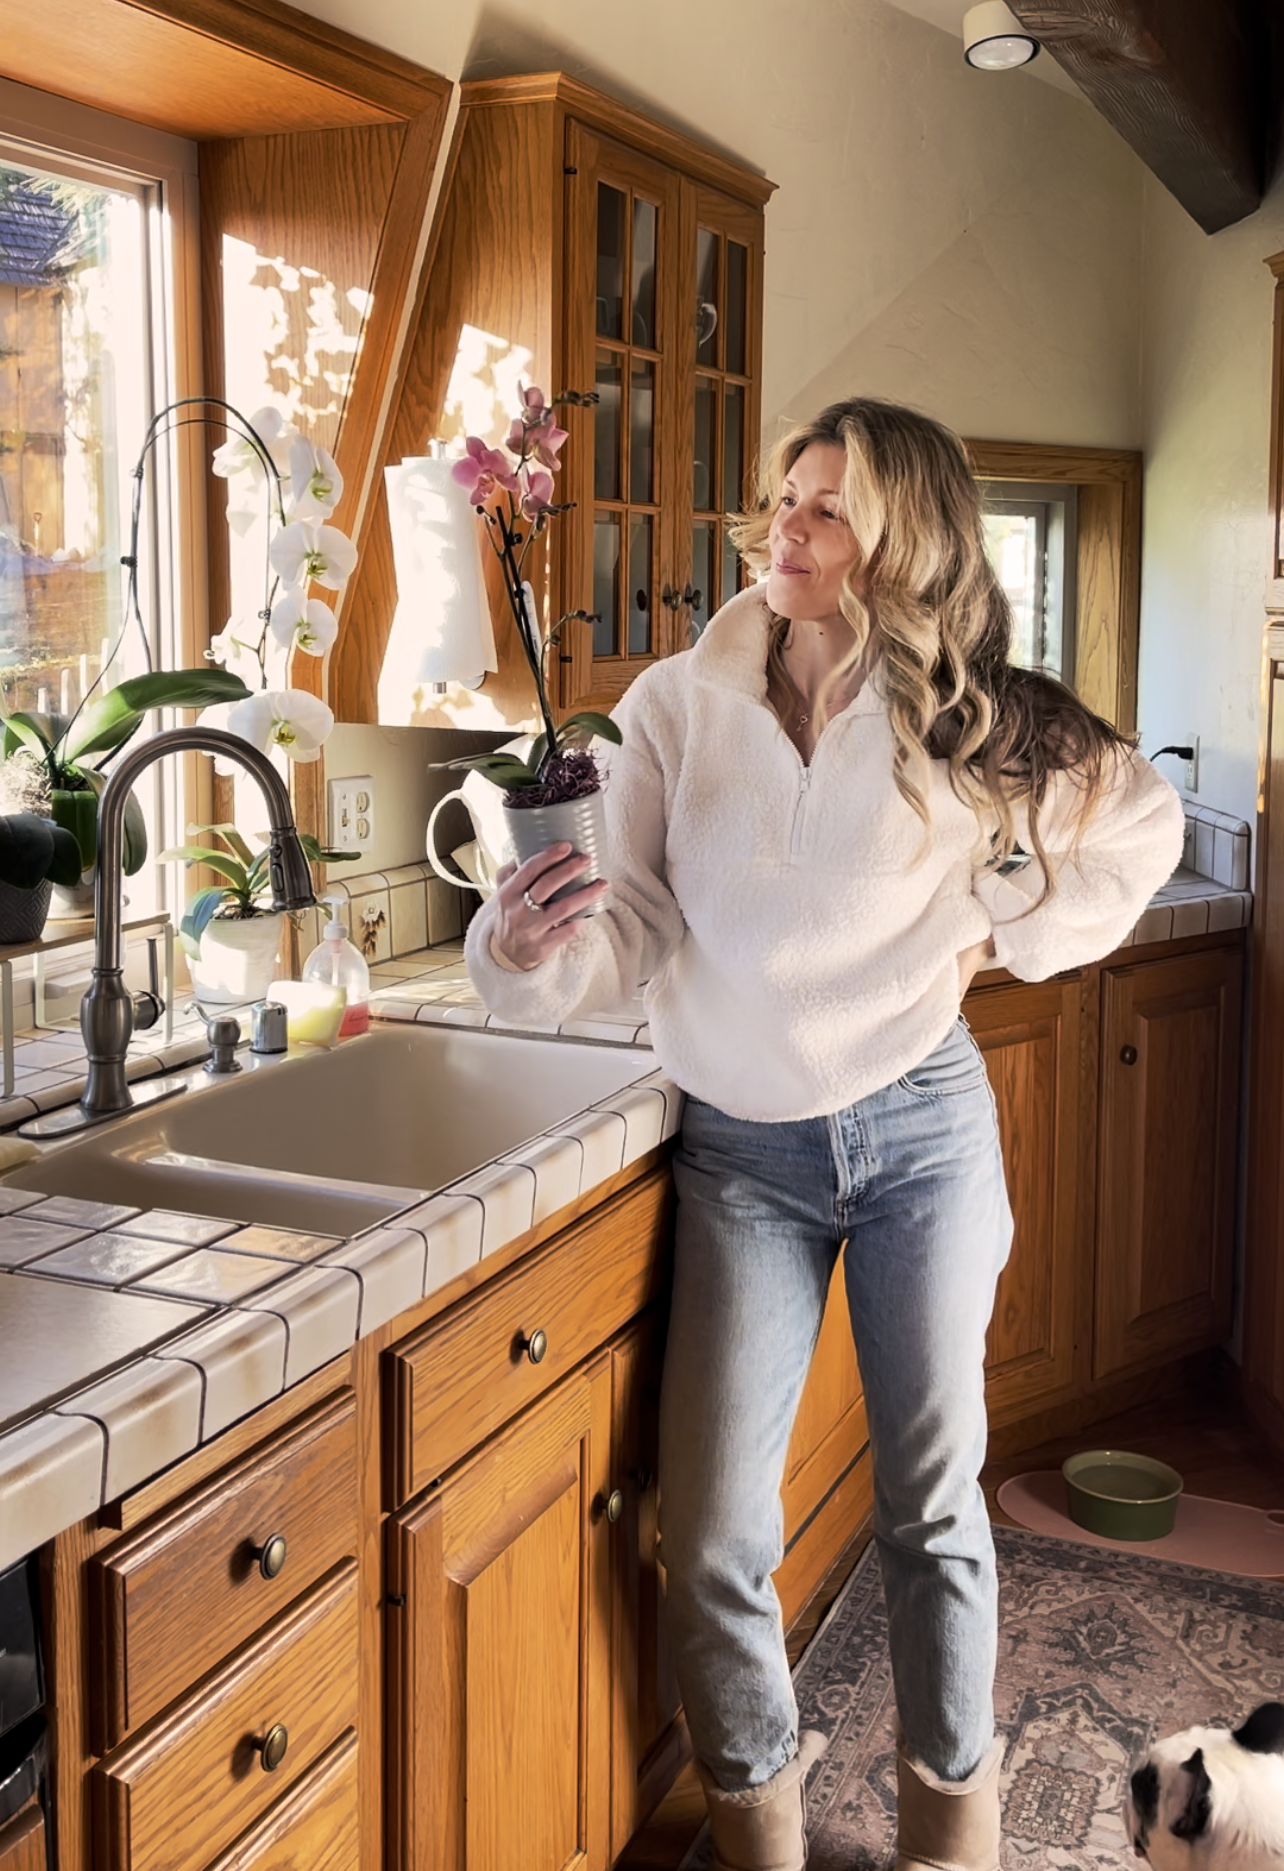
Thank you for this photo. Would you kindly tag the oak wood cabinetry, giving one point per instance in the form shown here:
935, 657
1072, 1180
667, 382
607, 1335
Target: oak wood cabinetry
585, 247
1117, 1092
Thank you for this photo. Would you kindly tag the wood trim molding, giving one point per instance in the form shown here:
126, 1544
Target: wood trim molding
613, 118
1108, 571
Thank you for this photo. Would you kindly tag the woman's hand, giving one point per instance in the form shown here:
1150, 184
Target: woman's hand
528, 929
971, 959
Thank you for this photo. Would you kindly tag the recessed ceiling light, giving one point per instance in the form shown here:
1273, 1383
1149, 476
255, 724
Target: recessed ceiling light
993, 40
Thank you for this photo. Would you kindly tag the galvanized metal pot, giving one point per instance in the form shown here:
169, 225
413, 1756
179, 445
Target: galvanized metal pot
581, 823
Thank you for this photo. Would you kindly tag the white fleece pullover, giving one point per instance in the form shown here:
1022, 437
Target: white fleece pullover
796, 931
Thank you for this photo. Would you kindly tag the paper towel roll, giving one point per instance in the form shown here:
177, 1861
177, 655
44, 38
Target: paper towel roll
441, 630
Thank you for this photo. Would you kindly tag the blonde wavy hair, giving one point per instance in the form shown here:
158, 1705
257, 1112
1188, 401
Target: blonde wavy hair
936, 615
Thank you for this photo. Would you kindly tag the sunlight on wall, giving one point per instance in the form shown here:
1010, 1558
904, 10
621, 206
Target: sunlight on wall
482, 393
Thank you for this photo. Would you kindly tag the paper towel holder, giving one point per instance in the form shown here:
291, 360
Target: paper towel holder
438, 564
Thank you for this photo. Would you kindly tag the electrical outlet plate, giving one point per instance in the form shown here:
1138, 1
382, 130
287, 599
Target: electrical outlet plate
352, 814
1192, 765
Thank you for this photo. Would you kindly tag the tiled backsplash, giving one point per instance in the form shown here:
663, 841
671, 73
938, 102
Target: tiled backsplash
1217, 846
395, 912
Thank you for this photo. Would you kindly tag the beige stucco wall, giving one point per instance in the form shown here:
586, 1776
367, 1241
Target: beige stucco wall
1206, 351
962, 240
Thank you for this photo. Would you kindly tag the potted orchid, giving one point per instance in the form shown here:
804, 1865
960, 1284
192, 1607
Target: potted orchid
553, 791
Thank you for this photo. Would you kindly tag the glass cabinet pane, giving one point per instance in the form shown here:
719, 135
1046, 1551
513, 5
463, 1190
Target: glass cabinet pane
703, 477
706, 305
641, 584
606, 427
733, 446
702, 545
737, 307
644, 225
642, 433
606, 582
610, 261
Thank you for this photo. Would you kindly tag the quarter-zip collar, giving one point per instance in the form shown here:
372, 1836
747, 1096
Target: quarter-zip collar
732, 655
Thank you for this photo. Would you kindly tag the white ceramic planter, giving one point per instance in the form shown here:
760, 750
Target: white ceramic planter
237, 962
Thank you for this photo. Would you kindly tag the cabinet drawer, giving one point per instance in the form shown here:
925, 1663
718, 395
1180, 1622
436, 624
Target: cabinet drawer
314, 1828
176, 1597
178, 1793
461, 1377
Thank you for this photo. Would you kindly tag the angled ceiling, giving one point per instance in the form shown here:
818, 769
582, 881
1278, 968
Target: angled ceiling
1195, 87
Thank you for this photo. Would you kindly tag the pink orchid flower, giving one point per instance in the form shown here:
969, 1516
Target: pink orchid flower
538, 492
481, 471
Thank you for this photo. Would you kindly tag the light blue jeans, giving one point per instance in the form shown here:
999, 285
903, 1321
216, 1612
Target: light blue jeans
912, 1179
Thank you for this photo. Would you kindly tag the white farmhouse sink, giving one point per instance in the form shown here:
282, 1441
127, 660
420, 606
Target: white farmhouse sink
335, 1141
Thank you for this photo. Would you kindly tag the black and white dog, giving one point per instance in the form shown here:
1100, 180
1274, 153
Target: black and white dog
1212, 1800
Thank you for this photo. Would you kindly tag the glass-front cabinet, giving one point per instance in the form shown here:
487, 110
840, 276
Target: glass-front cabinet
663, 317
583, 247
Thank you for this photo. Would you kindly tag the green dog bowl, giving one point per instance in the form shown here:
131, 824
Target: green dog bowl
1121, 1496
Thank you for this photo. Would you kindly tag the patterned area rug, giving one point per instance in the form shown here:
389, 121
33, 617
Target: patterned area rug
1099, 1652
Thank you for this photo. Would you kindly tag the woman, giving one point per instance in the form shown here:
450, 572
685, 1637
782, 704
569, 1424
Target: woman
824, 817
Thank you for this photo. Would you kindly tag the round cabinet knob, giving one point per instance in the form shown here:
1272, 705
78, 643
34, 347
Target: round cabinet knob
610, 1506
272, 1747
1128, 1054
534, 1344
272, 1555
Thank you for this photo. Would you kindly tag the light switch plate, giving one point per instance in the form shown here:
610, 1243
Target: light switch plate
352, 814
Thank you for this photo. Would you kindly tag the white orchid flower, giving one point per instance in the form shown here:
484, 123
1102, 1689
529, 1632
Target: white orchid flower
234, 651
302, 623
316, 485
240, 464
291, 719
304, 550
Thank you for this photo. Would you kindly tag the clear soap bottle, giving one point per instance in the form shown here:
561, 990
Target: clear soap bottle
335, 962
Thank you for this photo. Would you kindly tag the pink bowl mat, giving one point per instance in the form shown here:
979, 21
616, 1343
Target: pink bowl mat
1219, 1535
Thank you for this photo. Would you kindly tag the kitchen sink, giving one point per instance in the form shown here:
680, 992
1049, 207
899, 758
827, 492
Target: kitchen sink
334, 1141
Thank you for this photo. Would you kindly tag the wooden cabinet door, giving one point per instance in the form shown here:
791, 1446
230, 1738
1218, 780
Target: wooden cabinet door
1031, 1036
1169, 1122
314, 1828
622, 339
498, 1731
645, 1735
830, 1429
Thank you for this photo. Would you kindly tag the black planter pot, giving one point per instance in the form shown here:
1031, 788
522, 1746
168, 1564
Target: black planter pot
23, 912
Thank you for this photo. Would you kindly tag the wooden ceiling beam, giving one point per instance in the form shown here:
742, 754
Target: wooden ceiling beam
1186, 83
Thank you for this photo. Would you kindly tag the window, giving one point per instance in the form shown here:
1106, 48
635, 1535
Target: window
89, 229
1030, 538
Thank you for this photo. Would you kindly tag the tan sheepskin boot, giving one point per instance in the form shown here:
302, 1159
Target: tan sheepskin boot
762, 1829
948, 1825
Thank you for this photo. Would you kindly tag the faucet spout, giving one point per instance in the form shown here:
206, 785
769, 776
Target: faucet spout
107, 1010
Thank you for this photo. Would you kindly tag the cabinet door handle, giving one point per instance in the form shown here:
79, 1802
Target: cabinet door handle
271, 1748
534, 1344
610, 1507
1128, 1054
671, 598
272, 1555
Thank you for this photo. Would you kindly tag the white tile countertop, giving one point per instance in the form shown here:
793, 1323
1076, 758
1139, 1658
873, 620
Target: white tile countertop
146, 1333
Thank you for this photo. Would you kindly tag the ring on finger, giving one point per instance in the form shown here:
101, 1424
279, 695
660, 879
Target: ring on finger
530, 902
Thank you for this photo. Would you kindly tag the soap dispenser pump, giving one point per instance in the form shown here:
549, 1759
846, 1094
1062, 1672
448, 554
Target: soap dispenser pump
335, 962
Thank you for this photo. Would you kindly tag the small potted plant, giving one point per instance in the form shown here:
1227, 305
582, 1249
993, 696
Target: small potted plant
35, 853
230, 934
553, 793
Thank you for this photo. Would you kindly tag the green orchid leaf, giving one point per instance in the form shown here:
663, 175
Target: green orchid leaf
501, 769
33, 848
38, 733
539, 748
200, 913
109, 720
237, 874
133, 825
321, 854
231, 837
587, 726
